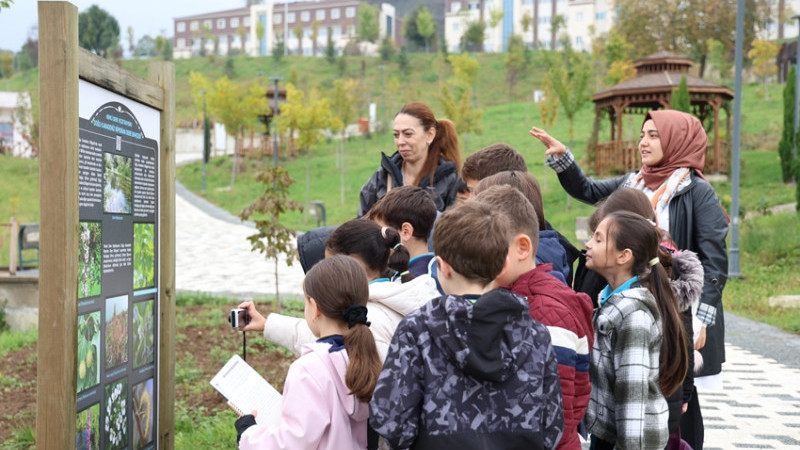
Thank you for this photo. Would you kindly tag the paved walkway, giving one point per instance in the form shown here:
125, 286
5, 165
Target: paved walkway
758, 408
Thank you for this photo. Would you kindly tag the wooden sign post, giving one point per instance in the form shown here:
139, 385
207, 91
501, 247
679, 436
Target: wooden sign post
106, 369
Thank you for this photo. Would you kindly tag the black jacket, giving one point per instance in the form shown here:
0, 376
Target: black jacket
697, 223
445, 180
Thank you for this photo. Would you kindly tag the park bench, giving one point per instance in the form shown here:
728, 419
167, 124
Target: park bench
28, 239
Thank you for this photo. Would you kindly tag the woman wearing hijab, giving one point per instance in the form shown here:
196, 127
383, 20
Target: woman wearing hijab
672, 148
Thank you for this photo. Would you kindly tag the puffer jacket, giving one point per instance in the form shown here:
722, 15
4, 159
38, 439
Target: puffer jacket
445, 181
568, 317
466, 375
389, 302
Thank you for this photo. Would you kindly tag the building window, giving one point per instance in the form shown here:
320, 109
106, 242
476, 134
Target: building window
337, 31
335, 13
601, 16
323, 33
579, 42
455, 7
194, 26
305, 16
320, 14
456, 26
247, 21
307, 32
181, 27
181, 43
220, 24
207, 24
277, 18
351, 30
350, 11
290, 18
234, 22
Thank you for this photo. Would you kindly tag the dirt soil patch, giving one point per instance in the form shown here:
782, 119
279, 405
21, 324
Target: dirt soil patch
200, 351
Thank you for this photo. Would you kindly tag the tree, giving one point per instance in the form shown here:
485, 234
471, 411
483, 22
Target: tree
241, 30
6, 64
278, 49
345, 98
145, 48
720, 58
330, 48
473, 37
568, 78
164, 47
681, 100
367, 24
260, 38
685, 26
426, 26
410, 30
273, 239
5, 3
457, 96
131, 41
788, 138
298, 34
387, 49
308, 117
28, 57
402, 60
516, 62
763, 55
98, 31
314, 37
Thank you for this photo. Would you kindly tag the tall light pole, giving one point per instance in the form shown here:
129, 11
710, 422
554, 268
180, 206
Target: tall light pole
733, 259
796, 94
383, 98
275, 80
206, 141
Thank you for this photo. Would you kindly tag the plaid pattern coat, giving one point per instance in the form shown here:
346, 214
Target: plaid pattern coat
627, 406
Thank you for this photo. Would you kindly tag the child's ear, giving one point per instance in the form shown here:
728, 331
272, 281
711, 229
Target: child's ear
625, 257
521, 247
444, 270
406, 231
315, 312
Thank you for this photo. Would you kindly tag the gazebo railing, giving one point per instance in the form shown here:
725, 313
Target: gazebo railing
616, 157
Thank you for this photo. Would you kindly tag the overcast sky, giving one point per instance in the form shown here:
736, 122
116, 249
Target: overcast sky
145, 16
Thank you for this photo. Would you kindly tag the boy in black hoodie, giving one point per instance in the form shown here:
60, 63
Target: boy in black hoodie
471, 369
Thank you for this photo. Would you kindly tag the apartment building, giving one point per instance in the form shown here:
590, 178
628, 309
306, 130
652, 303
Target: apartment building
202, 33
255, 30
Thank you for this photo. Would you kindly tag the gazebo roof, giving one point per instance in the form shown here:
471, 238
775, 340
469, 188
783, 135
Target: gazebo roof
659, 73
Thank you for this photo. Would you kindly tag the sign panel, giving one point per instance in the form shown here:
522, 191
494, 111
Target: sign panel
118, 273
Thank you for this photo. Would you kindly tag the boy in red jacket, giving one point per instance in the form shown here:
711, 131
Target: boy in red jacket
567, 314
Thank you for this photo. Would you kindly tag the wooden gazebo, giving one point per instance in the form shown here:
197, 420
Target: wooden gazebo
657, 76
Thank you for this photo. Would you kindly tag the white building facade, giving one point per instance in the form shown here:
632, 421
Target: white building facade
15, 120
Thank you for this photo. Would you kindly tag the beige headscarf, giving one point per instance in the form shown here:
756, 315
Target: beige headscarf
683, 141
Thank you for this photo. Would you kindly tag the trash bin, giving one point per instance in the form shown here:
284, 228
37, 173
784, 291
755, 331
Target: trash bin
363, 125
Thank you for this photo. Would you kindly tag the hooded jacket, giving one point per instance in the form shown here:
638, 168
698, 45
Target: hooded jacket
444, 190
568, 317
389, 302
627, 406
552, 252
466, 375
317, 411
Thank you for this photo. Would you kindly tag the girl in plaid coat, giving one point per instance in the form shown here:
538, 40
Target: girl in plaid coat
630, 380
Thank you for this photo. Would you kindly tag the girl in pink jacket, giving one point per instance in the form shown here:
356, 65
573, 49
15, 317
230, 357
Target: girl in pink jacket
327, 390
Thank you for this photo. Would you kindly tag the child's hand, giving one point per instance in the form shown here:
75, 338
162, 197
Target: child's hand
257, 321
554, 147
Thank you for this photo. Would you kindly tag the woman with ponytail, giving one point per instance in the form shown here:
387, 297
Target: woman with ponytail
327, 390
639, 355
393, 292
427, 156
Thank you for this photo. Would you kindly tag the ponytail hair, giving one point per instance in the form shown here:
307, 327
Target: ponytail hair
445, 142
337, 283
634, 232
375, 246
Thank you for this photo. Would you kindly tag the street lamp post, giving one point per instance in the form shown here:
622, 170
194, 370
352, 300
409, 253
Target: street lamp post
734, 270
206, 141
275, 80
383, 98
796, 93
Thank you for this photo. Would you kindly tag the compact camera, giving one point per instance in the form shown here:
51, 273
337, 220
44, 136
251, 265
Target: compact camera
238, 317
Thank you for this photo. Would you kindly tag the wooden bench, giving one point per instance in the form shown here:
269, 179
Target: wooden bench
28, 239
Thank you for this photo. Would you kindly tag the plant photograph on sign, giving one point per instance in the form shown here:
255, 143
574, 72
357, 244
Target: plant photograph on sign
90, 258
143, 326
88, 350
142, 399
143, 255
116, 417
117, 192
87, 428
116, 331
